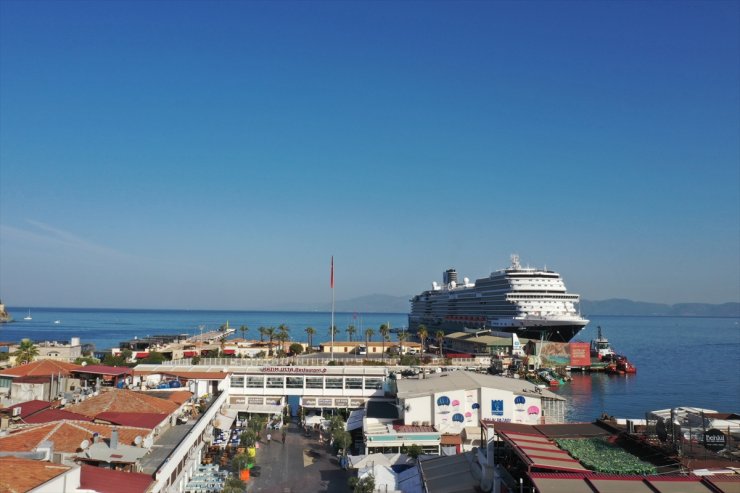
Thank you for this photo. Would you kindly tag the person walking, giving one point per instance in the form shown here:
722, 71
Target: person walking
283, 437
269, 437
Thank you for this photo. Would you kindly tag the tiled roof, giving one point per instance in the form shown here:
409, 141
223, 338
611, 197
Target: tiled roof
53, 415
106, 370
66, 435
44, 367
105, 480
29, 407
122, 400
141, 420
187, 375
413, 429
19, 475
177, 396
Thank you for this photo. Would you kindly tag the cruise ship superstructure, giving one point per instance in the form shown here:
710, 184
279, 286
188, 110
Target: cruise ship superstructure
533, 303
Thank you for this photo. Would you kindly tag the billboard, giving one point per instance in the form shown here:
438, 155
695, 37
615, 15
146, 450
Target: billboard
580, 353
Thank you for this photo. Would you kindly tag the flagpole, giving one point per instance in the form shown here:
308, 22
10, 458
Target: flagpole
331, 328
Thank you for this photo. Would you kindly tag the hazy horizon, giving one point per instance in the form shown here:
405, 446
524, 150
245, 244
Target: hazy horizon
167, 154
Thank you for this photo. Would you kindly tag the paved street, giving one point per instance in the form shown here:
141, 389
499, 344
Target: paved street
301, 465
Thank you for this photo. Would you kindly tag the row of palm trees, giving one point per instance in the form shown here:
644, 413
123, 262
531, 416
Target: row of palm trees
282, 334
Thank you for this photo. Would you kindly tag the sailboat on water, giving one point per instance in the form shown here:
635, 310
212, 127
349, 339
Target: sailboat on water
28, 317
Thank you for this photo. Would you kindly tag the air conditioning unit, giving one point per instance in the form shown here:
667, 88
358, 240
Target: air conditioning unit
16, 412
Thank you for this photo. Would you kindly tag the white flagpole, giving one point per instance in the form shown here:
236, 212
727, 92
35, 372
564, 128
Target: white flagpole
331, 328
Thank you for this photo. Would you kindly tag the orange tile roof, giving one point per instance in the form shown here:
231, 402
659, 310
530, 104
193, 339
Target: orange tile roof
66, 435
105, 480
43, 367
180, 396
18, 475
122, 401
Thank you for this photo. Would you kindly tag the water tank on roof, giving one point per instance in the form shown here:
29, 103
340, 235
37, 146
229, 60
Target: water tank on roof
74, 341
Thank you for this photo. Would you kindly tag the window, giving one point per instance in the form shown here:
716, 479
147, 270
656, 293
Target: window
314, 382
5, 382
354, 383
334, 383
275, 382
237, 381
255, 382
294, 383
373, 383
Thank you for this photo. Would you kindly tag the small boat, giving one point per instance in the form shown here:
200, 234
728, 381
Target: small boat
57, 321
600, 347
28, 317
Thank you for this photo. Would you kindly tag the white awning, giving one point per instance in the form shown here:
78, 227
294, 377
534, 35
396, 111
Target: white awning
224, 422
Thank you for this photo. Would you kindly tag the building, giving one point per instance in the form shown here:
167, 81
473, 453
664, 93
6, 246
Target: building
452, 401
371, 348
42, 379
479, 342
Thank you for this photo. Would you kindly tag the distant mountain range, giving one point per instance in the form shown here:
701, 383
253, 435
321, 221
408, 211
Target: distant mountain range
382, 303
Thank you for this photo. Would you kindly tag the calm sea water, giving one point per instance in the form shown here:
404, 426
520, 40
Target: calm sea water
680, 361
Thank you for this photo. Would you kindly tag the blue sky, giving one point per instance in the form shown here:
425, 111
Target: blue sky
216, 154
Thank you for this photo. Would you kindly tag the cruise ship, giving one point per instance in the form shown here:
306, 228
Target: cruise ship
533, 303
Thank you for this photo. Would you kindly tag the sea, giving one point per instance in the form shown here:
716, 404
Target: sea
681, 361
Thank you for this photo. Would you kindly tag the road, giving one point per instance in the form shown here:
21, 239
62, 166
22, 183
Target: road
301, 464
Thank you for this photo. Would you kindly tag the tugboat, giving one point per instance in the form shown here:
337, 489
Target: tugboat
600, 347
619, 365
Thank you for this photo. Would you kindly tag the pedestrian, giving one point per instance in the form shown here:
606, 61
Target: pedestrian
283, 438
269, 437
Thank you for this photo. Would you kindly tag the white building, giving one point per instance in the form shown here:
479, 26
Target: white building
452, 401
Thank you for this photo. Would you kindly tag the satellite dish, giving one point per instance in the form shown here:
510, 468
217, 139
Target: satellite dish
84, 444
148, 442
138, 440
84, 363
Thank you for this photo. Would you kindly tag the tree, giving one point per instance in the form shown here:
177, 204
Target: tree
422, 332
365, 484
27, 351
333, 331
270, 333
154, 358
402, 336
240, 462
244, 330
310, 331
262, 331
351, 331
342, 441
234, 485
369, 333
296, 348
384, 331
248, 438
440, 340
88, 360
414, 451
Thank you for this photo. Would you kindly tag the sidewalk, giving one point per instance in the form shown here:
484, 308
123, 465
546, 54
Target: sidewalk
301, 465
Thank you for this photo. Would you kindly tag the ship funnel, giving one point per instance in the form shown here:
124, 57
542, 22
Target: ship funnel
449, 276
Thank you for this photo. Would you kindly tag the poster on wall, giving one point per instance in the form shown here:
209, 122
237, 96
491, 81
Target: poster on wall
443, 405
520, 409
497, 407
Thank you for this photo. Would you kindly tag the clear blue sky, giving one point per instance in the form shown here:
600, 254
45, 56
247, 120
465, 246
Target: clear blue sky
216, 154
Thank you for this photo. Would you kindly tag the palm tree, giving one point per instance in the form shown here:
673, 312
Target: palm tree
422, 332
440, 339
351, 331
262, 331
402, 336
369, 333
333, 331
270, 333
283, 337
27, 351
310, 331
384, 331
244, 330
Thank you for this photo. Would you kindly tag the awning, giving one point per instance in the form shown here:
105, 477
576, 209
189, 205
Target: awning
355, 419
229, 351
225, 420
314, 419
189, 354
142, 355
450, 440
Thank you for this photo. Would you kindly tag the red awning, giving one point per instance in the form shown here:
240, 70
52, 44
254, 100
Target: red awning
189, 354
142, 355
229, 351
